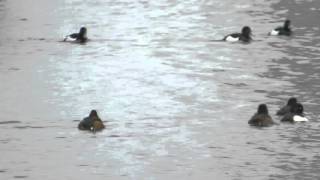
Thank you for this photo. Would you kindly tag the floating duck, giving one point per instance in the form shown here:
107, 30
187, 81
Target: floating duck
80, 37
92, 122
282, 30
261, 118
244, 36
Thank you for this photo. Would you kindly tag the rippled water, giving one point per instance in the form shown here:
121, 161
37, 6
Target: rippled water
175, 102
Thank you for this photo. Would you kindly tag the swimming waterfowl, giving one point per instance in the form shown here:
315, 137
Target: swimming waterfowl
282, 30
78, 37
295, 114
244, 36
261, 118
286, 109
92, 122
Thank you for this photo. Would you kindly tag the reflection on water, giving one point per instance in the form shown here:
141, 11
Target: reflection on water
175, 102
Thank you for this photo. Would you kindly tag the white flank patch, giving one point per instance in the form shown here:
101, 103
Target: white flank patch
68, 38
274, 33
232, 39
297, 118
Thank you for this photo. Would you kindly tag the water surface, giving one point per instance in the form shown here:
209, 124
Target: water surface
175, 102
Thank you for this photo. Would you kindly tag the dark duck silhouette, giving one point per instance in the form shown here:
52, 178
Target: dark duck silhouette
282, 30
92, 122
295, 115
78, 37
287, 108
262, 117
244, 36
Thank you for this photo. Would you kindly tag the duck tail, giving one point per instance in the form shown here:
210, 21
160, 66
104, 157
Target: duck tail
65, 38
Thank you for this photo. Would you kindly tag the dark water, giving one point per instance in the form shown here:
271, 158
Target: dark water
176, 103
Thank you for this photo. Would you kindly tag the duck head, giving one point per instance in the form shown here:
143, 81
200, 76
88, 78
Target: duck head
262, 109
297, 109
93, 113
246, 32
83, 32
292, 101
287, 24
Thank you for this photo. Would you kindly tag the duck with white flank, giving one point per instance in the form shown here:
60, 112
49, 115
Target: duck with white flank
244, 36
284, 30
80, 37
262, 117
295, 115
